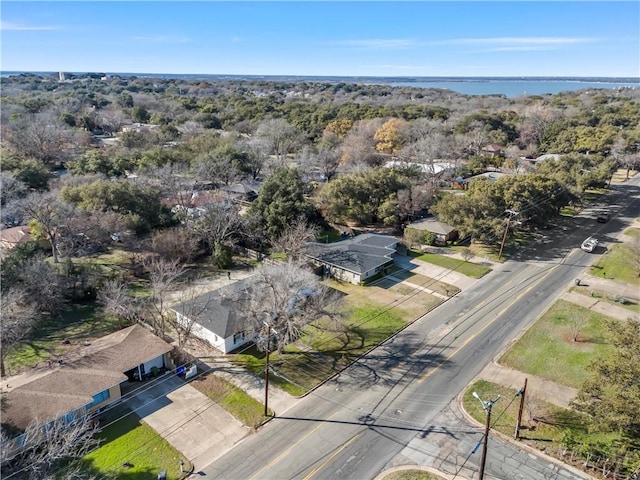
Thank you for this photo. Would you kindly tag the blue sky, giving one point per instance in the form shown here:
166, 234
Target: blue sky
382, 38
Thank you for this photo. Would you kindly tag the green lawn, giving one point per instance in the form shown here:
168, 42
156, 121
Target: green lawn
325, 348
632, 232
546, 349
616, 264
546, 431
234, 400
57, 334
469, 269
131, 441
412, 474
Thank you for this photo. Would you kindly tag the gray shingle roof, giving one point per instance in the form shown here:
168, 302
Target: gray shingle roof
221, 311
359, 254
44, 393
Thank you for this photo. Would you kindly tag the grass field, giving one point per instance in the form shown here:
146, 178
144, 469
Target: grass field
617, 264
550, 424
412, 474
235, 401
131, 441
546, 349
54, 335
469, 269
632, 232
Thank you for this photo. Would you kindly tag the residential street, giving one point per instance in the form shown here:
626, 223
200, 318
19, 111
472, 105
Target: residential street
398, 405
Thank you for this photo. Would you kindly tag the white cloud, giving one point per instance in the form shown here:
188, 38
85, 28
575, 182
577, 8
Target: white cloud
8, 26
508, 42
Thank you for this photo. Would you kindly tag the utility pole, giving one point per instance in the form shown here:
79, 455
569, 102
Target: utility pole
266, 372
266, 368
506, 230
487, 406
522, 392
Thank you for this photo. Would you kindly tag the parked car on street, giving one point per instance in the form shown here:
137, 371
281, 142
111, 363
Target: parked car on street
603, 216
590, 244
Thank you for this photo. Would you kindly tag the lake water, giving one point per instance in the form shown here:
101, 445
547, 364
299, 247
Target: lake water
507, 86
513, 88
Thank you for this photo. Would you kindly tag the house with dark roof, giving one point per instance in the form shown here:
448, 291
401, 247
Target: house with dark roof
243, 193
218, 317
443, 232
83, 381
354, 260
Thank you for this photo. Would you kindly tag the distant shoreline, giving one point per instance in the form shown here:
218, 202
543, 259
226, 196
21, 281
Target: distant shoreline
333, 78
503, 86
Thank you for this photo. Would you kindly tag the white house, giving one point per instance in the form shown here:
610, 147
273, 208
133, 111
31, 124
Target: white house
218, 316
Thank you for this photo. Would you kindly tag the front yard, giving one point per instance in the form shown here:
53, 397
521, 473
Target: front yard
132, 450
371, 315
548, 350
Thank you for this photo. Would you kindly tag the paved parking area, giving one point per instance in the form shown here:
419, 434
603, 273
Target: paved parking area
193, 424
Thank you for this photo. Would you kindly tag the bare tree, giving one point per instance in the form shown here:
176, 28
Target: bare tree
49, 213
534, 403
326, 158
11, 188
17, 317
294, 238
256, 155
50, 450
175, 244
42, 283
359, 145
39, 136
192, 312
163, 275
575, 326
219, 225
112, 121
116, 300
285, 298
466, 253
279, 137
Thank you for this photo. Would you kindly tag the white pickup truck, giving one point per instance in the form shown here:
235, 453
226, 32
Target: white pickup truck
589, 245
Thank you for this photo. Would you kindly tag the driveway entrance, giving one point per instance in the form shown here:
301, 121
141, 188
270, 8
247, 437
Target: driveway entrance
193, 424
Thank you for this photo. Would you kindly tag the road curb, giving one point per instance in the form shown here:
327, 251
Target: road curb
457, 405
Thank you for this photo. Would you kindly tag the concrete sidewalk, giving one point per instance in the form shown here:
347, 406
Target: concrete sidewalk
552, 392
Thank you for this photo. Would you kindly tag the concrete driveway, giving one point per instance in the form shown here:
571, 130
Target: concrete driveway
193, 424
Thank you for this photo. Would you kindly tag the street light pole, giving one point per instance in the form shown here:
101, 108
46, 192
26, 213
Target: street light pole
487, 426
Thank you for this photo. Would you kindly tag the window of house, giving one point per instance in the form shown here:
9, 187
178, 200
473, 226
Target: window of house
237, 337
99, 398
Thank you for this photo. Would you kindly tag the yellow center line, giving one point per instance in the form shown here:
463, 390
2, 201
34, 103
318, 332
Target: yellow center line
286, 452
335, 454
472, 337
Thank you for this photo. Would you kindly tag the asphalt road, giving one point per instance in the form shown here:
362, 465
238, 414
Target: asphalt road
393, 406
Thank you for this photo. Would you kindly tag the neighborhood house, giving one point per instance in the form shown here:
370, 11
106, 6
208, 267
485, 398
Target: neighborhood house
354, 260
443, 232
86, 380
218, 316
